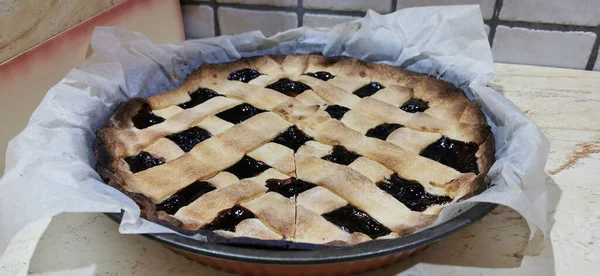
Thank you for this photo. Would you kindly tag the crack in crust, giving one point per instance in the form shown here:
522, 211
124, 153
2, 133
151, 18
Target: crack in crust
449, 113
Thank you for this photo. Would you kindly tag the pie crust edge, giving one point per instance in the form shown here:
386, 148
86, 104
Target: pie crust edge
108, 147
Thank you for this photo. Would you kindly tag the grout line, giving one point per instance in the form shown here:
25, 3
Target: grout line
548, 26
300, 13
493, 22
257, 7
275, 8
492, 33
188, 2
394, 5
331, 12
217, 26
594, 54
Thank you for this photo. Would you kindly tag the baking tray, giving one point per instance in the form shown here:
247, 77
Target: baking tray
330, 261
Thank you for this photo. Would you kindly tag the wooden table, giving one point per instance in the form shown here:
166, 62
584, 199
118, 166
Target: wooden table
564, 103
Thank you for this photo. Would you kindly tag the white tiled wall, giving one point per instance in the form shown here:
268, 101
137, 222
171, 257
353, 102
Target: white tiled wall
279, 3
487, 6
571, 12
235, 21
199, 21
546, 48
382, 6
557, 33
325, 20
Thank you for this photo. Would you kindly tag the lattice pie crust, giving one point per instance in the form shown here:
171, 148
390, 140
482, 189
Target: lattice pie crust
300, 148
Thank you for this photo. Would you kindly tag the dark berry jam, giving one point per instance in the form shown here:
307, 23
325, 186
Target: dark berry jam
247, 167
453, 153
199, 96
244, 75
415, 105
239, 113
411, 193
352, 219
341, 155
322, 75
228, 219
289, 87
142, 161
184, 197
189, 138
290, 187
145, 118
382, 131
336, 111
368, 90
292, 138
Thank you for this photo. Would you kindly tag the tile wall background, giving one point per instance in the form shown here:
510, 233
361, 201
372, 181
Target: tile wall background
555, 33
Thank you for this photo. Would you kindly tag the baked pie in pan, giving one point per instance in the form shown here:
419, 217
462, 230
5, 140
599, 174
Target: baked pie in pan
301, 148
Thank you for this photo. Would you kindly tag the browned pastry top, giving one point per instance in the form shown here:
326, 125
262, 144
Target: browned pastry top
298, 147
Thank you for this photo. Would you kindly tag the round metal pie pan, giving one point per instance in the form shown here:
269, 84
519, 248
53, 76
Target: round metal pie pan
331, 261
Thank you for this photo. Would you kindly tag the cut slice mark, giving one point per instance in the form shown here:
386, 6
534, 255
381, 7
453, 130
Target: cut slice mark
295, 200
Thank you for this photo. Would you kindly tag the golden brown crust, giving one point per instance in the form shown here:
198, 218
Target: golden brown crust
298, 218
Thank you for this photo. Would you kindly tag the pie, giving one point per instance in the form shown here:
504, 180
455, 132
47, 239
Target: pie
300, 148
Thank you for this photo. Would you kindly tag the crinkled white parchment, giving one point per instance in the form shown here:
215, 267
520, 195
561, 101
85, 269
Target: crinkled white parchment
50, 164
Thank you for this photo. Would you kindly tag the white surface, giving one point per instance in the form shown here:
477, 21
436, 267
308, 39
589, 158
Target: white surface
236, 21
88, 244
325, 20
487, 6
382, 6
198, 21
572, 12
544, 48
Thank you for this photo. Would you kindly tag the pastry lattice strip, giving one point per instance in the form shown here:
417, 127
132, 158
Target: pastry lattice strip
254, 134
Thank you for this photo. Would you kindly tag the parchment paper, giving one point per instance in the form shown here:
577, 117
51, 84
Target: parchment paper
50, 164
